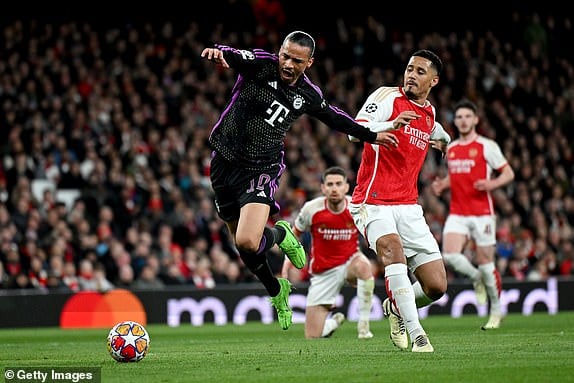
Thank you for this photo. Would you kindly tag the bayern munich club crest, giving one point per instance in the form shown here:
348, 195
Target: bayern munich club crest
298, 102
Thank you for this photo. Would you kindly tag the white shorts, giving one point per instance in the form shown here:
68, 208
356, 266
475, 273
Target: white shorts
324, 287
407, 221
481, 228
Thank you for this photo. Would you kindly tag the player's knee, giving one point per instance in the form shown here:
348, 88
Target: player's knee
436, 290
437, 294
247, 244
313, 329
390, 248
362, 268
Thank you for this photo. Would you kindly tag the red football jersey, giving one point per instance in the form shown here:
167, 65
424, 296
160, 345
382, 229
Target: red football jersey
390, 176
467, 163
334, 236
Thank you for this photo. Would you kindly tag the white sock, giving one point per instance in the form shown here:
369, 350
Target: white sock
400, 290
460, 263
493, 284
421, 298
365, 288
329, 326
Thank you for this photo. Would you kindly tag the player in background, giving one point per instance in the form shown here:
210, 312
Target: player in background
385, 200
270, 93
335, 258
472, 159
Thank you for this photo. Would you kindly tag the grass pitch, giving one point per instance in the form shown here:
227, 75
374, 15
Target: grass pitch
536, 348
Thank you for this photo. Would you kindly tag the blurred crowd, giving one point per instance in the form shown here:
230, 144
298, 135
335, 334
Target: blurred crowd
104, 172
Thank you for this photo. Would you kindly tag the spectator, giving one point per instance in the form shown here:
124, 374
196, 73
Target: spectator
21, 281
114, 122
93, 277
4, 277
55, 283
202, 275
148, 279
70, 278
126, 276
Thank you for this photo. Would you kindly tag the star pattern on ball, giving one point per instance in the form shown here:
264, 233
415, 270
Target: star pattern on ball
130, 338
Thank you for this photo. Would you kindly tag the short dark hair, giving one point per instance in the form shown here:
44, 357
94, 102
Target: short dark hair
432, 57
301, 38
466, 104
336, 170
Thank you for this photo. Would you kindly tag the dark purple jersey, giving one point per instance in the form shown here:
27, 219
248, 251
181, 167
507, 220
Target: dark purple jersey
253, 125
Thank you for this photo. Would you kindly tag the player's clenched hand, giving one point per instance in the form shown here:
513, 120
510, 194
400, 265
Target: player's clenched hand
404, 118
483, 185
215, 55
440, 145
438, 185
387, 139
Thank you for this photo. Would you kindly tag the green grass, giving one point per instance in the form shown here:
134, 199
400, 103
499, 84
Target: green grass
537, 348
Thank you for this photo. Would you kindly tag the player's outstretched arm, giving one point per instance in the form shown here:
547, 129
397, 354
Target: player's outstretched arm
387, 139
215, 55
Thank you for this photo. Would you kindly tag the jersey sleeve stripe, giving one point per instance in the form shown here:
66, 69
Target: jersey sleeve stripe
382, 93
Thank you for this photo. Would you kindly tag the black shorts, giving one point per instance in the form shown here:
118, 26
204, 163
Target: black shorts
234, 187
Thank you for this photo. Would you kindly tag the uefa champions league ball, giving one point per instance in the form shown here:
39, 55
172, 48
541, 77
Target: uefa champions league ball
128, 341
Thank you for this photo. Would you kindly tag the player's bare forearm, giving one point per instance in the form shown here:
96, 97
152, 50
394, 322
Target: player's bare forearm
387, 139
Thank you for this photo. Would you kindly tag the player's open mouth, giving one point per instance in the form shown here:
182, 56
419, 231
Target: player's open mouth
287, 74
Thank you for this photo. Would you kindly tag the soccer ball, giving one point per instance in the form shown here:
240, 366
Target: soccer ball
128, 341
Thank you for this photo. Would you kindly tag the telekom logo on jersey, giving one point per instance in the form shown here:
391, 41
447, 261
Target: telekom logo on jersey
197, 309
277, 112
